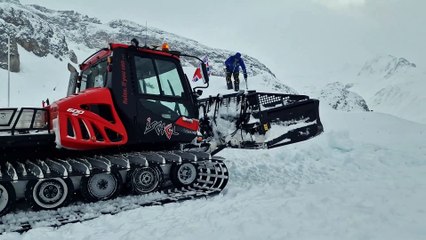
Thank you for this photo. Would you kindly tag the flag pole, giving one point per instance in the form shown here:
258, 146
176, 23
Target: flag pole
8, 71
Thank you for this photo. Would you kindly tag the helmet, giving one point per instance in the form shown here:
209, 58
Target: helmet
238, 55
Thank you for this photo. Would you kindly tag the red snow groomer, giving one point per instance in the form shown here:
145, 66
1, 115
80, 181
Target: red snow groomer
132, 124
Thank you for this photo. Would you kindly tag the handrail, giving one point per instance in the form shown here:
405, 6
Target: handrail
27, 119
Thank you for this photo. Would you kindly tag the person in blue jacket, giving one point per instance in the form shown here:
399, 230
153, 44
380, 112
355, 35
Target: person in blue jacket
233, 64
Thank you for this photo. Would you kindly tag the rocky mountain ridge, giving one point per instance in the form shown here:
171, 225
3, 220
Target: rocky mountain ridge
340, 97
43, 31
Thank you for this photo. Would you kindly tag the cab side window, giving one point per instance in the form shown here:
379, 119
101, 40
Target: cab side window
161, 78
147, 77
95, 76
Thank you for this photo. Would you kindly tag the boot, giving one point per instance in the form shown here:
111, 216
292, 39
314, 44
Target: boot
229, 84
237, 85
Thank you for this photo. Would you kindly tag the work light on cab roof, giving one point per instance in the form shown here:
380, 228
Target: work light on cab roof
165, 47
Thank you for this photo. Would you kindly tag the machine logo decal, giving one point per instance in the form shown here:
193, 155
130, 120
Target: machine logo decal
160, 128
75, 112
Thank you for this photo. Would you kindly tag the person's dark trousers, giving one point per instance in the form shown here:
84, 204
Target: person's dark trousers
236, 80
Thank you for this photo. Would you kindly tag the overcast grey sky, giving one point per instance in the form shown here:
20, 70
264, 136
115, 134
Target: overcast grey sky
290, 36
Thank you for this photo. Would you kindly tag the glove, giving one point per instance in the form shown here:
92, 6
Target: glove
245, 76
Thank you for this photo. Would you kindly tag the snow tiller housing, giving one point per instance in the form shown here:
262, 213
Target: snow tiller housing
132, 124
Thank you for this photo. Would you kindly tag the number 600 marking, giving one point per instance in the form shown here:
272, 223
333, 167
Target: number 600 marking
75, 112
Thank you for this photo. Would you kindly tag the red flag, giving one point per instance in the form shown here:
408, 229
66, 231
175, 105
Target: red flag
198, 74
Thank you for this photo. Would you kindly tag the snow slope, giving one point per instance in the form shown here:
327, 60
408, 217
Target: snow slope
40, 78
364, 178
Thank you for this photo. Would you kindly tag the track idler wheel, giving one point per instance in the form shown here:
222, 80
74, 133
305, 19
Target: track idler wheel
49, 193
7, 197
101, 186
144, 180
184, 174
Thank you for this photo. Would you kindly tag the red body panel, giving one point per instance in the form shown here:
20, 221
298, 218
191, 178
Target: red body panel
78, 128
191, 124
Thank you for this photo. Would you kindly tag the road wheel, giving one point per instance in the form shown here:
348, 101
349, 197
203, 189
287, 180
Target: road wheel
7, 197
144, 180
101, 186
49, 193
183, 174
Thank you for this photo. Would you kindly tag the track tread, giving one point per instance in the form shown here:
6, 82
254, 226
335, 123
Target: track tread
210, 183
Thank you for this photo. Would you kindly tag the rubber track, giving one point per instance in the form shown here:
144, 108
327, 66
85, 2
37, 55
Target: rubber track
208, 184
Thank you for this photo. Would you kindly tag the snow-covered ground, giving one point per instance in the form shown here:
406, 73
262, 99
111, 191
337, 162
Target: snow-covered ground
363, 178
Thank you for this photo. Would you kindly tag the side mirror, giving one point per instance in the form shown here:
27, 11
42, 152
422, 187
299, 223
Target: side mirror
71, 68
205, 73
72, 84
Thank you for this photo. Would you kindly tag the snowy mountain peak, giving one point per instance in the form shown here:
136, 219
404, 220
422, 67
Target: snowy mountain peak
386, 66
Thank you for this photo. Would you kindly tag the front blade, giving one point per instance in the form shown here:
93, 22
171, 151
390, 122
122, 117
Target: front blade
259, 120
293, 123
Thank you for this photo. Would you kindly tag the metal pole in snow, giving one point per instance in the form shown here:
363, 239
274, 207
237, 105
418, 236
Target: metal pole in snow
8, 71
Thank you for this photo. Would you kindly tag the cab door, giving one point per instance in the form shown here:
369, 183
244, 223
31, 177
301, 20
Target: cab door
165, 111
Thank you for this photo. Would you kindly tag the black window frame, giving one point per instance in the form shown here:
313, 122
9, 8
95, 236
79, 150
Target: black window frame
186, 99
185, 88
